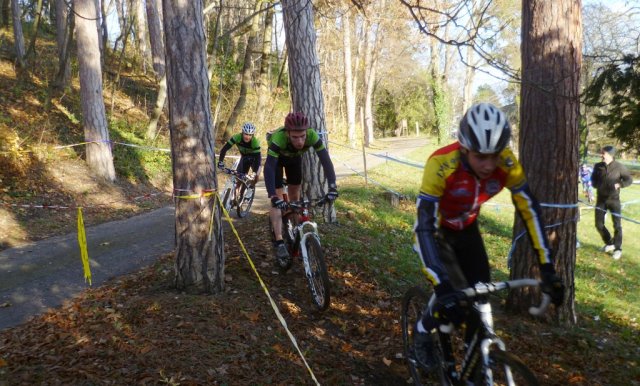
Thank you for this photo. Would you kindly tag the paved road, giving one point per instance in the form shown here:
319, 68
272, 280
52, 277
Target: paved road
40, 275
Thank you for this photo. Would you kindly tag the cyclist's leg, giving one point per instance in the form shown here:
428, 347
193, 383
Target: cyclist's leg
293, 169
472, 259
275, 214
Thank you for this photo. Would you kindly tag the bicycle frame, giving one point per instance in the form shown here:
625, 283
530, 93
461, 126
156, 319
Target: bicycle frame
302, 234
485, 336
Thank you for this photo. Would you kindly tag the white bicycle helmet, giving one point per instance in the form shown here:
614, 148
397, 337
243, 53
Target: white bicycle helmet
485, 129
248, 128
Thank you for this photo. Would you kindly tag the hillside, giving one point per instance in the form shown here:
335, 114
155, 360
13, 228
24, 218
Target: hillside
35, 122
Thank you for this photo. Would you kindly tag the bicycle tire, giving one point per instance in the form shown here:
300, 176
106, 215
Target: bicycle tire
318, 277
245, 201
414, 303
499, 361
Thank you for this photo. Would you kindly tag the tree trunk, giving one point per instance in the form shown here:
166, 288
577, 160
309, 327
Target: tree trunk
64, 37
199, 259
17, 33
157, 52
99, 157
551, 60
264, 83
5, 12
370, 61
350, 96
36, 26
245, 83
141, 33
306, 90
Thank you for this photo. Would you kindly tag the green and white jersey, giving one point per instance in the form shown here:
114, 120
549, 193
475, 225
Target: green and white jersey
279, 144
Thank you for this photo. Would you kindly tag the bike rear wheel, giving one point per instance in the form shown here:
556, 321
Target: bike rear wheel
317, 277
507, 370
245, 200
414, 302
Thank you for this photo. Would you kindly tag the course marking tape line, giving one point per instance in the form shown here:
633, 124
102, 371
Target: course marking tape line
266, 291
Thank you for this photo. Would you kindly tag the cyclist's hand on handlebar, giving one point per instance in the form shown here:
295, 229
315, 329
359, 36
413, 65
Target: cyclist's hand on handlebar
220, 165
333, 193
450, 304
277, 202
551, 284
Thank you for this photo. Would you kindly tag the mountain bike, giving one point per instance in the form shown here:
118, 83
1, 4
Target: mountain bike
238, 191
300, 235
485, 361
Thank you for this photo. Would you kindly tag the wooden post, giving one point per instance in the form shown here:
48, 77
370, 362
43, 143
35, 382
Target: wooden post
364, 162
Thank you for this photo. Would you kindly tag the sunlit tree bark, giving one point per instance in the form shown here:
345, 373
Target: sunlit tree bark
551, 60
99, 157
199, 256
306, 90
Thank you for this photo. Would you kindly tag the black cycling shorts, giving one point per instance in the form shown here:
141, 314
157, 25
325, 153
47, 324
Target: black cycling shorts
292, 166
249, 161
464, 256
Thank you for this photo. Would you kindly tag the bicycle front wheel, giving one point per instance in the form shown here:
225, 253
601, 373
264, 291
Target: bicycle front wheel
507, 370
414, 302
317, 276
245, 200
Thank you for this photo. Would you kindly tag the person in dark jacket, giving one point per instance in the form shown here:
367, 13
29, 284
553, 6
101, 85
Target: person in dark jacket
608, 177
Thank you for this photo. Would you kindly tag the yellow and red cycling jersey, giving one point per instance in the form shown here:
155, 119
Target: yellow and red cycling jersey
455, 195
459, 192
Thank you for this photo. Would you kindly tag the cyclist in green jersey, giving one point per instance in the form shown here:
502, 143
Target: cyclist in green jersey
249, 147
286, 147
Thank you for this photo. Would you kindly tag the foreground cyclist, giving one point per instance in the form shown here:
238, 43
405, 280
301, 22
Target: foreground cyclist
249, 147
457, 180
286, 147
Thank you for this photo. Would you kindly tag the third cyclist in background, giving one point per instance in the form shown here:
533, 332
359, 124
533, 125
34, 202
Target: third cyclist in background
249, 147
457, 180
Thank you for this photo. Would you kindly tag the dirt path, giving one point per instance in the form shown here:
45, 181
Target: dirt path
40, 275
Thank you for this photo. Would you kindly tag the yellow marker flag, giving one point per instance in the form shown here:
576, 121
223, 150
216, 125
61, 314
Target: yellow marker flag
82, 242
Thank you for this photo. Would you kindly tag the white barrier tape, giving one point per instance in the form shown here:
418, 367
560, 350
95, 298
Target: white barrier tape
371, 179
392, 158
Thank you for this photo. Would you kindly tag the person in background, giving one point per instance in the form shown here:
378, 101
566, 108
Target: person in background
585, 179
249, 147
609, 176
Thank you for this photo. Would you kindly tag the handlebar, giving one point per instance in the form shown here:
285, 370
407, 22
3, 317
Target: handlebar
242, 176
306, 204
486, 288
480, 289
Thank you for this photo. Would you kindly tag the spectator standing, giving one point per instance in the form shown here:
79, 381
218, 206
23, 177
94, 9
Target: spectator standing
609, 176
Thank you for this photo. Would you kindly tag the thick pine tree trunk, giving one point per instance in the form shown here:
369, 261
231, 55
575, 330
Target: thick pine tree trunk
551, 60
306, 90
99, 157
199, 259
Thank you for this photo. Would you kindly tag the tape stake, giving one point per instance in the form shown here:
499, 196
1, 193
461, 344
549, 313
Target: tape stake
82, 242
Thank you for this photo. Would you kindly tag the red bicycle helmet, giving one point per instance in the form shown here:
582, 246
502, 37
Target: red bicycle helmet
296, 121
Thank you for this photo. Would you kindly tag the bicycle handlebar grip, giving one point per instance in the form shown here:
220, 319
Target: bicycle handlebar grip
542, 308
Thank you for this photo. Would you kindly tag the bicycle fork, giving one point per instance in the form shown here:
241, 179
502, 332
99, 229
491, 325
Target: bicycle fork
489, 339
304, 234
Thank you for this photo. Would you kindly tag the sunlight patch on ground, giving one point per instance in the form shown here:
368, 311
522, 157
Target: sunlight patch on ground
16, 236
